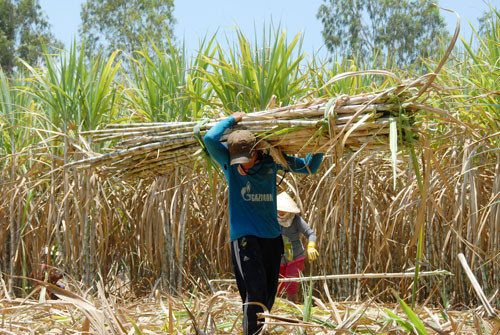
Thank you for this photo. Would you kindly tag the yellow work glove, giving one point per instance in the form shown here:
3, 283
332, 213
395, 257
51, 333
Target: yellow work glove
312, 253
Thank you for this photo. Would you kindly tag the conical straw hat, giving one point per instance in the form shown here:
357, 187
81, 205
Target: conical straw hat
286, 204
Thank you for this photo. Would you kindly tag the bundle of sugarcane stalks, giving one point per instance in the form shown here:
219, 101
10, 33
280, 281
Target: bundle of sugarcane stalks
372, 121
337, 125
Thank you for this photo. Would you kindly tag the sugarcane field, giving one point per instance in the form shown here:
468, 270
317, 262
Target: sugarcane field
120, 185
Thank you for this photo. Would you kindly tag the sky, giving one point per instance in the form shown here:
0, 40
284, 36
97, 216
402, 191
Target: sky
197, 18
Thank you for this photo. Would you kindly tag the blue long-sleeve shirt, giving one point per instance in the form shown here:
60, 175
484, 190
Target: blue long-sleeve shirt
252, 197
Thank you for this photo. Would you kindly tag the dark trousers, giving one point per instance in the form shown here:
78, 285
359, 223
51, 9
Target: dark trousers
256, 263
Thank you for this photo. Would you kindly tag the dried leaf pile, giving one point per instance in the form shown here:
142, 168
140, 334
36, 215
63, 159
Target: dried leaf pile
218, 314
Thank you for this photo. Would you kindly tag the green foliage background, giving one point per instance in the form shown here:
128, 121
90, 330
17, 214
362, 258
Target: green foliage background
23, 31
401, 31
125, 24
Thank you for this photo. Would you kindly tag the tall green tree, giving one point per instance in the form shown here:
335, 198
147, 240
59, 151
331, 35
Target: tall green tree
487, 20
23, 30
402, 30
108, 25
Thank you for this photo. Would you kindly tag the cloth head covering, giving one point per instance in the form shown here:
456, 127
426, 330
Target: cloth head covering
286, 219
240, 144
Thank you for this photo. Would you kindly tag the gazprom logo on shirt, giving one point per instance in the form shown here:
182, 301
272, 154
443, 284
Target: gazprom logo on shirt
254, 197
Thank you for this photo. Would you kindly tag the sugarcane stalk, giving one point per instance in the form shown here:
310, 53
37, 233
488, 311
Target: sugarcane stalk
352, 276
477, 288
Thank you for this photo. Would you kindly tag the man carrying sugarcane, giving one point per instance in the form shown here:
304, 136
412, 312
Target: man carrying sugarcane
256, 242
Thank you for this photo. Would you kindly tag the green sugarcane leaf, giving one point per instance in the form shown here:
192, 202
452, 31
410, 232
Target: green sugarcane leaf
417, 323
308, 300
403, 323
137, 330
